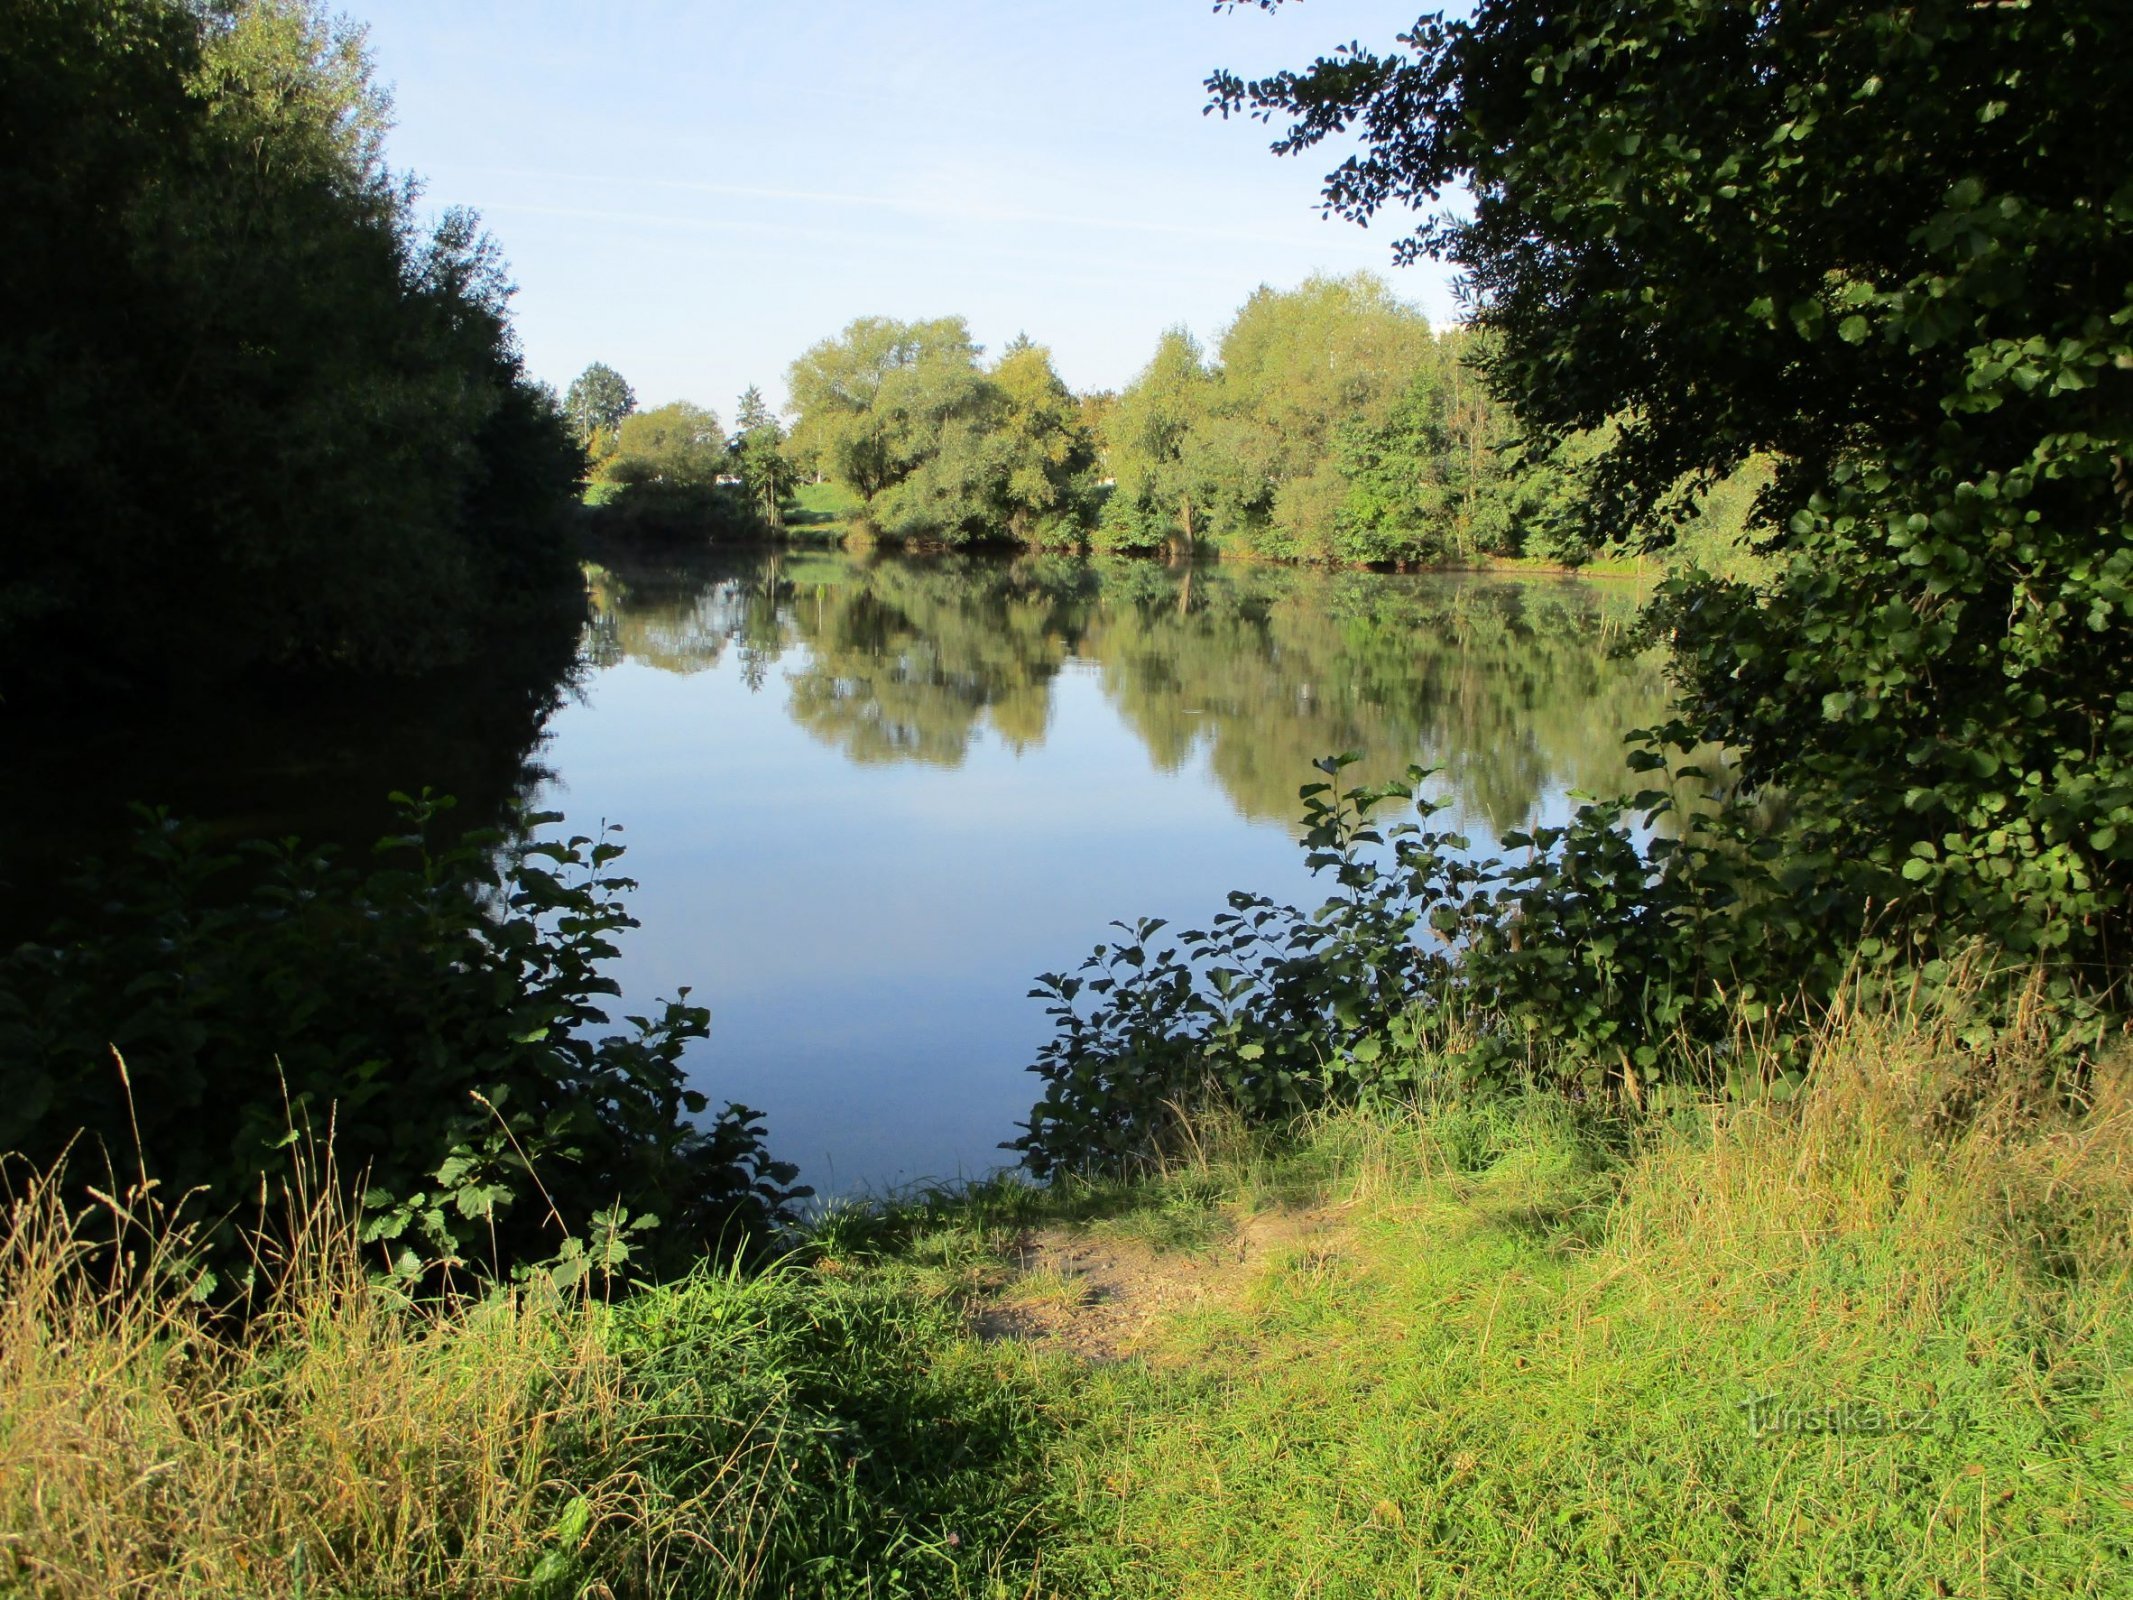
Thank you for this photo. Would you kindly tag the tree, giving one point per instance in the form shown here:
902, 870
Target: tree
758, 449
1246, 452
598, 400
1892, 245
1295, 366
664, 477
679, 443
872, 401
276, 422
1045, 453
1149, 430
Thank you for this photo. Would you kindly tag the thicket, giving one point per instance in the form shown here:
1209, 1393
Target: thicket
436, 1014
277, 421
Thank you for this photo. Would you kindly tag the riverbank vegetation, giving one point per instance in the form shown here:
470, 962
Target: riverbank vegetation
1873, 1338
437, 1015
1330, 426
1723, 1193
280, 424
1889, 257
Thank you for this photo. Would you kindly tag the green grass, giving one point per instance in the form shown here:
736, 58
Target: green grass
1487, 1350
820, 511
1633, 567
1520, 1364
813, 1430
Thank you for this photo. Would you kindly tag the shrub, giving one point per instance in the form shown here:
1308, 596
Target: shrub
440, 1012
1610, 957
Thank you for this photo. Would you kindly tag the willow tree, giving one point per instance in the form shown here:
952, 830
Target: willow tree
871, 400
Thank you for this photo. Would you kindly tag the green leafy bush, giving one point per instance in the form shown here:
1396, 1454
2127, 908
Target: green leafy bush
439, 1012
1606, 957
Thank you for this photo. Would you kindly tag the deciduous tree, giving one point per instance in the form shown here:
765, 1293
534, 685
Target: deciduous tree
598, 401
1893, 246
758, 448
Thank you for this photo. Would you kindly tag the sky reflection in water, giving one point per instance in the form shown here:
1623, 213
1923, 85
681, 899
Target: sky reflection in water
868, 802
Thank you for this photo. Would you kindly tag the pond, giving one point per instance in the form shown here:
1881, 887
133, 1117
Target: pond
869, 800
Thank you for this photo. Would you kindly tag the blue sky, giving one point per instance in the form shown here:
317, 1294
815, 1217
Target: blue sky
696, 190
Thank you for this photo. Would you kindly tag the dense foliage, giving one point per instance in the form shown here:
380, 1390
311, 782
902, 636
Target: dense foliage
1607, 957
437, 1015
1893, 246
266, 418
1332, 425
935, 445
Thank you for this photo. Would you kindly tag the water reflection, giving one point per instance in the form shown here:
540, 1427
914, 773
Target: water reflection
1512, 689
315, 761
868, 800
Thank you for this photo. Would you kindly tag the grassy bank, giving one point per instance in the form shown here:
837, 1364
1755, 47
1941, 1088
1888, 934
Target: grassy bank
1834, 1349
1877, 1341
821, 511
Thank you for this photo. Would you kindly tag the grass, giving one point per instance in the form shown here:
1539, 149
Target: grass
1493, 1349
1638, 568
821, 511
798, 1432
1521, 1360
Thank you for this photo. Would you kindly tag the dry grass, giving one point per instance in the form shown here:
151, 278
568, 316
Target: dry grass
1468, 1348
334, 1442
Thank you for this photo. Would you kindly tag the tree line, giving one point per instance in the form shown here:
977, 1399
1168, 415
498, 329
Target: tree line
1330, 424
280, 421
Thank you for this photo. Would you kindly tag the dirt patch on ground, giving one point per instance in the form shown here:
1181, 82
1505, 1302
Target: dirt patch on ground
1098, 1294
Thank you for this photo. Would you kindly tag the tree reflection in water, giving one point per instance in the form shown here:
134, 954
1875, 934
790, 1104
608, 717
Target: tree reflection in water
1514, 689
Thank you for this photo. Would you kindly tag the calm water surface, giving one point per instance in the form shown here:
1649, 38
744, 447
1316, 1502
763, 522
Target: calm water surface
868, 801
